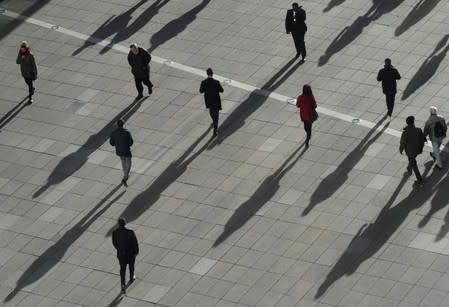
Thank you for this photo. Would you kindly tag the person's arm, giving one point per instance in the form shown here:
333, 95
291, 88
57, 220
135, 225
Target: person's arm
202, 87
112, 140
426, 130
135, 243
304, 13
397, 75
298, 102
403, 141
129, 59
33, 63
114, 240
314, 103
220, 88
131, 141
380, 75
287, 28
19, 58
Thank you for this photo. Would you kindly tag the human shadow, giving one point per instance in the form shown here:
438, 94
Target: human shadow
176, 26
428, 68
118, 25
74, 161
370, 238
150, 196
255, 100
260, 197
11, 114
419, 11
329, 185
332, 4
349, 34
45, 262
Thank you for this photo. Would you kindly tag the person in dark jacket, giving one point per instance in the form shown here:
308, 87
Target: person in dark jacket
412, 141
125, 242
139, 60
211, 89
429, 130
122, 140
28, 68
388, 76
295, 23
307, 105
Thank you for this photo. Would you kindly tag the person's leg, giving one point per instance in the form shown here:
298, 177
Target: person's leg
214, 115
308, 129
390, 103
122, 262
127, 167
29, 82
131, 261
302, 46
148, 83
436, 153
124, 166
139, 86
296, 40
414, 165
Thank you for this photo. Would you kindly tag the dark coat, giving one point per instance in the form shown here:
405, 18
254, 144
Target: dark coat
122, 140
28, 66
388, 75
140, 63
295, 26
412, 141
211, 89
125, 242
430, 126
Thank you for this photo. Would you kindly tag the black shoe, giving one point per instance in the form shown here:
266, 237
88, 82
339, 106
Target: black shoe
409, 171
139, 96
419, 183
150, 90
123, 289
30, 100
297, 55
438, 167
132, 279
215, 133
124, 183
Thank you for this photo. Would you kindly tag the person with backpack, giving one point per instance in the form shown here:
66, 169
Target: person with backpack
435, 128
307, 105
412, 141
122, 140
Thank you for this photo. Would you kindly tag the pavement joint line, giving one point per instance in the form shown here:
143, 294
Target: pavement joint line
200, 72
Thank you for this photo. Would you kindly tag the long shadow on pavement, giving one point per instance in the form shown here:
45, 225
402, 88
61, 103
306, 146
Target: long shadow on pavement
176, 26
371, 238
11, 114
118, 25
349, 34
419, 11
150, 196
332, 4
74, 161
255, 100
260, 197
45, 262
428, 68
337, 178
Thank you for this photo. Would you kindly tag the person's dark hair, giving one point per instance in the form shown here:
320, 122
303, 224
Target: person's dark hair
410, 120
388, 62
307, 90
122, 222
209, 71
295, 4
120, 123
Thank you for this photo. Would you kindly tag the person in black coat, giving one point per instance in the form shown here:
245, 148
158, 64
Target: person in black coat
211, 89
139, 60
412, 142
122, 140
125, 242
295, 23
388, 76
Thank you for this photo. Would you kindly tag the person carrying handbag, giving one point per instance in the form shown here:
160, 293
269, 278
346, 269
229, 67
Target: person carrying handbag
307, 110
27, 67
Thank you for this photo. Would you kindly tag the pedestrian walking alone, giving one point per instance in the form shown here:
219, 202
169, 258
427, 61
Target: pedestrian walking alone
435, 128
122, 140
412, 141
125, 242
28, 67
307, 105
211, 89
295, 23
139, 60
389, 76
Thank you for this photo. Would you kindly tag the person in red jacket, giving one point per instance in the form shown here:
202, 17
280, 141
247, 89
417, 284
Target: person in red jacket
307, 105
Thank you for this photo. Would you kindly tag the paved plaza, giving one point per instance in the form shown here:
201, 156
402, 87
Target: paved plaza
251, 218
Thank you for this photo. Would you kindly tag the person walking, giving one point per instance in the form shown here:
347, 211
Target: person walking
28, 67
139, 60
125, 242
211, 89
307, 104
412, 141
389, 76
295, 23
122, 140
435, 128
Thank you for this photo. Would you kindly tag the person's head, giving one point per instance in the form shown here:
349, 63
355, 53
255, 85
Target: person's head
295, 6
387, 62
410, 120
134, 48
433, 110
307, 90
120, 123
121, 222
209, 72
24, 45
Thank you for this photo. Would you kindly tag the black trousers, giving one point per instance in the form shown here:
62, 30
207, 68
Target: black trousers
308, 129
298, 39
126, 260
139, 81
390, 102
214, 114
412, 165
29, 82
